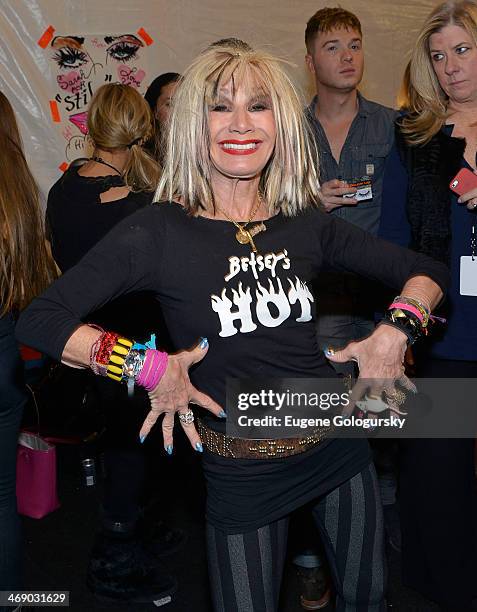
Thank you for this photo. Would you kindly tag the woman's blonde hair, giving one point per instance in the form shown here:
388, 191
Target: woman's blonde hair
26, 266
119, 118
427, 100
289, 180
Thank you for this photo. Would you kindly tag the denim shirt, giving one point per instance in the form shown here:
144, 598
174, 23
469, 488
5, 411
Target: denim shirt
369, 141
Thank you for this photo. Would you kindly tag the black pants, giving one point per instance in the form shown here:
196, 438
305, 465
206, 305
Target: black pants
438, 509
12, 402
246, 569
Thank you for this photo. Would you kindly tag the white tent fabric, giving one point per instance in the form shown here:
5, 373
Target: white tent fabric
180, 29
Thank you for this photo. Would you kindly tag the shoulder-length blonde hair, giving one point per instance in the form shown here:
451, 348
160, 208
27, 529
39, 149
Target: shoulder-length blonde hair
26, 266
119, 118
428, 102
290, 178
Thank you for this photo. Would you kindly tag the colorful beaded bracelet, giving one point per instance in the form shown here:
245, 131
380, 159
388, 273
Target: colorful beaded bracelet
124, 361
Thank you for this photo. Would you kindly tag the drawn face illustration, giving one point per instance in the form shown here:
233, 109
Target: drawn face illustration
81, 64
123, 48
69, 52
73, 61
97, 59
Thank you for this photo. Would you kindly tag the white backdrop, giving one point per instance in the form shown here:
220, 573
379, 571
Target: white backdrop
180, 29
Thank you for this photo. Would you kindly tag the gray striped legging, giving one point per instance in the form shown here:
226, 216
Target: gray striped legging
246, 569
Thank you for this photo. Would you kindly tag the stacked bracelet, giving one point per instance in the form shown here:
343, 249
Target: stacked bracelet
413, 306
124, 361
134, 362
117, 358
409, 316
405, 323
101, 352
155, 365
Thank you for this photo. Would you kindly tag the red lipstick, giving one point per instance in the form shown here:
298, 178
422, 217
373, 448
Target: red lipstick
239, 147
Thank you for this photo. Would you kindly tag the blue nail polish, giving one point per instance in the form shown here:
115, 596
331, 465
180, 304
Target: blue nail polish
328, 351
142, 438
199, 447
203, 343
222, 415
169, 450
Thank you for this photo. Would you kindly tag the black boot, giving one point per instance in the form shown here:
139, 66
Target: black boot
121, 570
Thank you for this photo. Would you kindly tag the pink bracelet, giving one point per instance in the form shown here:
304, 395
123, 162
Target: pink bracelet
152, 371
409, 308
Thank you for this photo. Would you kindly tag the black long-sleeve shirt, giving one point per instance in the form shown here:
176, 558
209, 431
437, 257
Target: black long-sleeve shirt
256, 310
258, 314
77, 219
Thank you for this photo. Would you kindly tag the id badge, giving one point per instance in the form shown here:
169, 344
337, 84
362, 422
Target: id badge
468, 275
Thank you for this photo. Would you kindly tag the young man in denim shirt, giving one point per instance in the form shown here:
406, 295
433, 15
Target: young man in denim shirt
354, 136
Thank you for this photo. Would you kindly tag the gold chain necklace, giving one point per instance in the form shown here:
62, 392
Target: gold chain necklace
244, 235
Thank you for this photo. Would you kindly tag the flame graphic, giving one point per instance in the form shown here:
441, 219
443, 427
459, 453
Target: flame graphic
278, 298
299, 292
223, 307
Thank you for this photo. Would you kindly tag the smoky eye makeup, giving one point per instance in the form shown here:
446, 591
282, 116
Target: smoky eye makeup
260, 103
219, 103
70, 57
218, 107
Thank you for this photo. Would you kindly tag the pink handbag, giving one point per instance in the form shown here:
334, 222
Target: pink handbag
36, 474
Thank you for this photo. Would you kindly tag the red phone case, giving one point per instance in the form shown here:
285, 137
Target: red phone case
465, 180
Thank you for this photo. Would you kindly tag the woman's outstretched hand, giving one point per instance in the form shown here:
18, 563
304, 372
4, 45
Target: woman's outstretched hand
380, 359
173, 395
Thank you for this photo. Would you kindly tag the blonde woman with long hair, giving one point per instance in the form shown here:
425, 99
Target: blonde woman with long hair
229, 251
436, 138
26, 270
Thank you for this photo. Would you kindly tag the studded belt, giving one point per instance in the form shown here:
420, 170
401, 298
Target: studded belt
238, 448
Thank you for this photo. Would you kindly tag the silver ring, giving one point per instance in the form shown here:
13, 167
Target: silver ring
186, 417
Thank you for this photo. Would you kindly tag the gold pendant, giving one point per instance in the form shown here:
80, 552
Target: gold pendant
245, 236
242, 236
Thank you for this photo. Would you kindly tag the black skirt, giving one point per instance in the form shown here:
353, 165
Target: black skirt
246, 494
